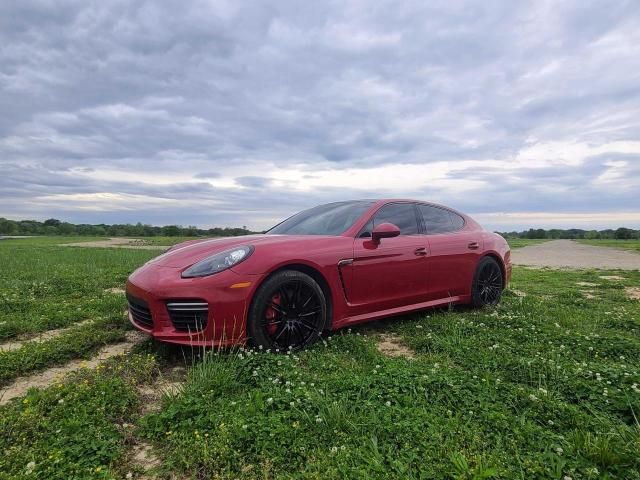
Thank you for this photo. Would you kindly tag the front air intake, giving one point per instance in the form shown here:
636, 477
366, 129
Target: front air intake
140, 312
188, 315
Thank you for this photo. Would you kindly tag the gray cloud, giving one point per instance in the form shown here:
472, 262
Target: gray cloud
227, 113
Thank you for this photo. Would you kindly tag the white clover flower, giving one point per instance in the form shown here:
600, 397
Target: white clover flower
533, 398
270, 400
30, 466
559, 450
334, 449
292, 404
245, 426
129, 475
388, 403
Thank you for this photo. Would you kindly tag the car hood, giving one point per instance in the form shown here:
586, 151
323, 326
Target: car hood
186, 254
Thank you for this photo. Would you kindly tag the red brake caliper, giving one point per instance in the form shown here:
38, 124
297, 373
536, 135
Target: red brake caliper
271, 314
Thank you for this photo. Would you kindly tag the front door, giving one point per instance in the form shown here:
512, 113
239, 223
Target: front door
392, 273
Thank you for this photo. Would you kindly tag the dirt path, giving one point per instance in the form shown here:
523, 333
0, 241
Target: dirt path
570, 254
119, 242
49, 376
39, 337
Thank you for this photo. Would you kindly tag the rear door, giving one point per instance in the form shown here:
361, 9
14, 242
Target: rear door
453, 252
392, 273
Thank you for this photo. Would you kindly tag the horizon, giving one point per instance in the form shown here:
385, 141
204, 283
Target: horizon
224, 114
207, 227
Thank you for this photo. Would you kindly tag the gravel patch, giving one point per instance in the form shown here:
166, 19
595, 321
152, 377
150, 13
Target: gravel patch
570, 254
119, 242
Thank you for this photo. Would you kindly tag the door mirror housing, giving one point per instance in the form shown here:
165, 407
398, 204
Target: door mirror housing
384, 230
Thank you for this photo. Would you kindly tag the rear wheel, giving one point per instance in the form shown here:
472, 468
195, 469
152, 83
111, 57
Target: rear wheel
288, 312
487, 283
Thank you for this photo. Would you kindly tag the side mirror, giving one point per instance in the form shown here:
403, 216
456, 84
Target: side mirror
384, 230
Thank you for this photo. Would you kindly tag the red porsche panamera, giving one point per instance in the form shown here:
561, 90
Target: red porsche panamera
322, 269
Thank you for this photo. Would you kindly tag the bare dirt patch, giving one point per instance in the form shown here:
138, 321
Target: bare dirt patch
612, 278
152, 395
517, 293
143, 457
633, 292
570, 254
49, 376
588, 294
41, 337
586, 284
115, 290
392, 346
118, 242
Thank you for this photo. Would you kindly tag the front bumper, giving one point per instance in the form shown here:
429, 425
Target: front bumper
227, 303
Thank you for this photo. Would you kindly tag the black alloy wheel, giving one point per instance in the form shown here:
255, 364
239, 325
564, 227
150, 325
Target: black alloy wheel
288, 312
487, 284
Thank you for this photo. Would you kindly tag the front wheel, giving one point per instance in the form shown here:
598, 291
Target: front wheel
487, 283
288, 312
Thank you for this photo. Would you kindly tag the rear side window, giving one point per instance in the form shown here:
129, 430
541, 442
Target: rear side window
456, 220
439, 220
402, 215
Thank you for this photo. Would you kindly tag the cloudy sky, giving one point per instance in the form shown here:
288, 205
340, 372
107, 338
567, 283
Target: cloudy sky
228, 113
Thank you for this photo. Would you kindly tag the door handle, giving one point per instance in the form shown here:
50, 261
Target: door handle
422, 251
473, 246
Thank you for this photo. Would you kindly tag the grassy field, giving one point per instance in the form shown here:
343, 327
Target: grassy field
633, 245
547, 385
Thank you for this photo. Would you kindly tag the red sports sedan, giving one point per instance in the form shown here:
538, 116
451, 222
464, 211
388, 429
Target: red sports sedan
322, 269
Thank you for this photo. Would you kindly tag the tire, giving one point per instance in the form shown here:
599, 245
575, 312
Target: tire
487, 283
288, 312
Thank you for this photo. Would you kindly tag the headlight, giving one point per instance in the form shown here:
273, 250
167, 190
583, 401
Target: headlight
218, 262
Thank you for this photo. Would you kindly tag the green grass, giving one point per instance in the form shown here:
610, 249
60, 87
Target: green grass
543, 386
524, 242
76, 429
633, 245
44, 287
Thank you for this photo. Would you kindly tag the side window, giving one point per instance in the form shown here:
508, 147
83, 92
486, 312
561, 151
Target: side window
436, 220
457, 221
402, 215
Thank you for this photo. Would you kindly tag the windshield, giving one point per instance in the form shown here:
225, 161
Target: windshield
329, 219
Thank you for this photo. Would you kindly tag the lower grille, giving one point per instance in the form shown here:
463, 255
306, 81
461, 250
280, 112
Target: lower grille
140, 312
188, 315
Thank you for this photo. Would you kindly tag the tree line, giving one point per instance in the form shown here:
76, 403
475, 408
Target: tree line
576, 233
54, 226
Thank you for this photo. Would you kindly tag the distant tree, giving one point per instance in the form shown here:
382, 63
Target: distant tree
8, 227
66, 228
171, 230
624, 233
52, 222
